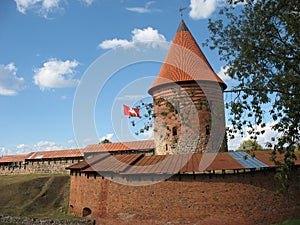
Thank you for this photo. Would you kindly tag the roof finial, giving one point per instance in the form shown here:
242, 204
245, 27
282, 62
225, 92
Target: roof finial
181, 9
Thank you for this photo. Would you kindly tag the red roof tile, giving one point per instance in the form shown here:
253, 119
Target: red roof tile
147, 164
168, 164
185, 62
78, 153
224, 161
114, 163
265, 157
88, 162
78, 166
15, 158
120, 146
70, 153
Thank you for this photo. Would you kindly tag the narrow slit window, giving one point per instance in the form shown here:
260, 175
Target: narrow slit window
207, 128
174, 131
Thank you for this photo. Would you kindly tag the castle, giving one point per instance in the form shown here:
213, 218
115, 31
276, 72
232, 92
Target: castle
184, 181
185, 175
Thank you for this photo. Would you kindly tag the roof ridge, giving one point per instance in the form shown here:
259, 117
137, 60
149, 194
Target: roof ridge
121, 142
182, 26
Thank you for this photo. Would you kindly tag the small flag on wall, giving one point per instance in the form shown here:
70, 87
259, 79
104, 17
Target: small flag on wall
128, 111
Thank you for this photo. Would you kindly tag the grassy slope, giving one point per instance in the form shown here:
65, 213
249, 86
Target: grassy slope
290, 222
34, 195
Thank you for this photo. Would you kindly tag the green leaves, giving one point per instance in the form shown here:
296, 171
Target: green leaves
250, 145
260, 43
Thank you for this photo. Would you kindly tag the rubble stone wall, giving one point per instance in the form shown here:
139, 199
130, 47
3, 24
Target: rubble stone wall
53, 166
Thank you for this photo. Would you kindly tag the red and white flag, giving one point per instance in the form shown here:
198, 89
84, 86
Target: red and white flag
128, 111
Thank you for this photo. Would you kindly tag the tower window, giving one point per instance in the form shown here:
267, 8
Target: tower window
177, 108
207, 128
174, 131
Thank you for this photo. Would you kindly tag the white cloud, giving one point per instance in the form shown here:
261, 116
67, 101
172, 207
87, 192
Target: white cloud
90, 140
223, 73
148, 36
149, 134
37, 147
3, 151
23, 149
50, 4
10, 84
202, 9
87, 2
130, 97
24, 5
40, 146
47, 146
108, 137
21, 146
262, 139
145, 9
71, 144
139, 9
56, 74
42, 7
71, 141
113, 43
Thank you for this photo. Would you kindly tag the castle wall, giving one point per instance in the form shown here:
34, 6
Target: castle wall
193, 199
51, 166
183, 117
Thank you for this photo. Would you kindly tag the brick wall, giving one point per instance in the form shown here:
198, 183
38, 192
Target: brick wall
185, 109
53, 166
221, 199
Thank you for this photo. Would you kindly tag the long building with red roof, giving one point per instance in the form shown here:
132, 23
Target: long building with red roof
55, 161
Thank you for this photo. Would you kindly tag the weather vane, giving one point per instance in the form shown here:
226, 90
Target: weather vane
181, 9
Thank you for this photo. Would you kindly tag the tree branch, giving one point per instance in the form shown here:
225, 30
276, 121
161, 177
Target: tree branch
254, 89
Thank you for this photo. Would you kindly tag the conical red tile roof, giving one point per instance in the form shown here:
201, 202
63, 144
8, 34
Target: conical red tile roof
185, 62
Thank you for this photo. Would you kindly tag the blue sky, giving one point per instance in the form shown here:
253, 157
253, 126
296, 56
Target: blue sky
46, 46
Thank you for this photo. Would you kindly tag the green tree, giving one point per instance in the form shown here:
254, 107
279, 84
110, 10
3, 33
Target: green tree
249, 145
259, 41
105, 141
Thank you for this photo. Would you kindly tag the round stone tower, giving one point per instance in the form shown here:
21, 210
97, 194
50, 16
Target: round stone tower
188, 100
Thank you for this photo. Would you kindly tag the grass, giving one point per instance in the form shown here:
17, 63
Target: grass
289, 222
34, 195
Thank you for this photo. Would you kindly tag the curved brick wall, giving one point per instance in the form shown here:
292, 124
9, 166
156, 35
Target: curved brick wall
191, 118
222, 199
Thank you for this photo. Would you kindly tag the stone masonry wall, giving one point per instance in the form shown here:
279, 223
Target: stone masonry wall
194, 199
53, 166
176, 108
4, 219
183, 119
